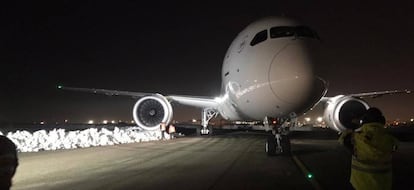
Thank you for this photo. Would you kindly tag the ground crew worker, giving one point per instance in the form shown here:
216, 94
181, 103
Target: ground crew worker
8, 162
372, 147
163, 129
171, 131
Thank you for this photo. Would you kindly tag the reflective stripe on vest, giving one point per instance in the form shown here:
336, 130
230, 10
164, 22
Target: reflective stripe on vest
371, 170
371, 166
371, 162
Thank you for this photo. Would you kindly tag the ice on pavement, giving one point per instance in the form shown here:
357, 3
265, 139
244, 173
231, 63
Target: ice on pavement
61, 139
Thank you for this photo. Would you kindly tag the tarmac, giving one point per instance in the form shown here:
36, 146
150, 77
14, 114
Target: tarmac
228, 160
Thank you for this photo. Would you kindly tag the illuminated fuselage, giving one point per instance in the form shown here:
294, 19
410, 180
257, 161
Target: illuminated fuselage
268, 71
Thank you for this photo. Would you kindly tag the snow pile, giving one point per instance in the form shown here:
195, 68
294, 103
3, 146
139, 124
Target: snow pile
60, 139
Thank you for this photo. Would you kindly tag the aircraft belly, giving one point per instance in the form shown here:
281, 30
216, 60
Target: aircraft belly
257, 101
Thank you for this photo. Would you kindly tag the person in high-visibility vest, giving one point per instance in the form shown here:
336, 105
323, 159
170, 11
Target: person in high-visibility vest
171, 131
371, 146
163, 129
8, 162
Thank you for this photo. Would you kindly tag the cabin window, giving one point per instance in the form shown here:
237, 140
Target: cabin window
259, 37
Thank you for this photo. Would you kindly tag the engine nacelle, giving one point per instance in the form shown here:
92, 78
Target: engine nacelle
150, 111
342, 111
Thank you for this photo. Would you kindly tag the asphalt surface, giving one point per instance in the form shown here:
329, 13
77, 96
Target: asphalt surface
228, 161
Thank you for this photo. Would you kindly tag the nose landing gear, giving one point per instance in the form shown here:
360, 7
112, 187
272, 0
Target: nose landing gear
277, 145
278, 142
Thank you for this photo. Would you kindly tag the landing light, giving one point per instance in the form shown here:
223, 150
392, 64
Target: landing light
319, 119
412, 120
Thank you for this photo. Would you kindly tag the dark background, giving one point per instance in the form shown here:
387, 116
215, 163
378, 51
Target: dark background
178, 48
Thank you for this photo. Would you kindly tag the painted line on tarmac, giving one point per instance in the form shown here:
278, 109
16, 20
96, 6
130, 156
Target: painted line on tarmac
306, 172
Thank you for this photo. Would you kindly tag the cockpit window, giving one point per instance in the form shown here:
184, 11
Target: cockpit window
286, 31
259, 37
281, 31
306, 32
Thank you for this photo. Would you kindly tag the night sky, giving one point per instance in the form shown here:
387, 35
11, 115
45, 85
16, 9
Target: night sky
178, 48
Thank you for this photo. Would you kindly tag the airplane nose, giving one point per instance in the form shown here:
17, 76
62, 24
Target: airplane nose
291, 74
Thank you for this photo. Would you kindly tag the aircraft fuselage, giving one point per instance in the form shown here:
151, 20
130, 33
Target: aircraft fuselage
268, 71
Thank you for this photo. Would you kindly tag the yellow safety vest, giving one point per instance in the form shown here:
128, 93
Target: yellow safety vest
372, 159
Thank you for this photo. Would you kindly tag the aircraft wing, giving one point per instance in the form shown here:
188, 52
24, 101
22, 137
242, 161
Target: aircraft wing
379, 94
374, 94
202, 102
106, 92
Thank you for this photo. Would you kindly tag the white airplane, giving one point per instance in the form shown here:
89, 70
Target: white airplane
267, 76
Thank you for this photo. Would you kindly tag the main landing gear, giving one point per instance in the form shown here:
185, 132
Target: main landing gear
278, 142
206, 115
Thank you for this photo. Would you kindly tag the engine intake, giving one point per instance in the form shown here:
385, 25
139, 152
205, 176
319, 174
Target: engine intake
150, 111
342, 112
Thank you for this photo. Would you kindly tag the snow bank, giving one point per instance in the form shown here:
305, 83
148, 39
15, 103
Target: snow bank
60, 139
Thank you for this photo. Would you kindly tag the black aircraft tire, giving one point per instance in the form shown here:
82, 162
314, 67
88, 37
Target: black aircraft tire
270, 146
286, 145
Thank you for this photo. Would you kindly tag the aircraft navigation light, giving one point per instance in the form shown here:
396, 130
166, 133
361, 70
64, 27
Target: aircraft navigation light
319, 119
310, 176
90, 122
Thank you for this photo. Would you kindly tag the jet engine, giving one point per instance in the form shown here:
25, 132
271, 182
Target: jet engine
150, 111
343, 112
